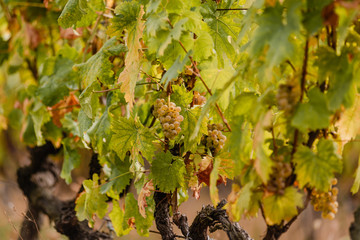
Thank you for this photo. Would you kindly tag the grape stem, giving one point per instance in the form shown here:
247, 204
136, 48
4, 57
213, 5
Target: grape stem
197, 73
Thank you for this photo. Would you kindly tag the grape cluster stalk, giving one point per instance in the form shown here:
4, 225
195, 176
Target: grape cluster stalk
169, 116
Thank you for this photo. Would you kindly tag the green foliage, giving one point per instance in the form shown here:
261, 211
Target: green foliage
91, 201
167, 172
131, 135
278, 208
317, 169
282, 78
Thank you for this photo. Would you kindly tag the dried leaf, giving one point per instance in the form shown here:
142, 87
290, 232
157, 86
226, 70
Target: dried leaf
130, 74
144, 193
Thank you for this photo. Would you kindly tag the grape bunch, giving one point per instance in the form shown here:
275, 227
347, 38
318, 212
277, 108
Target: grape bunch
326, 201
287, 97
215, 140
198, 98
280, 172
169, 116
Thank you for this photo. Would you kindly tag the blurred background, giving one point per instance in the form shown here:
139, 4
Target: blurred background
310, 225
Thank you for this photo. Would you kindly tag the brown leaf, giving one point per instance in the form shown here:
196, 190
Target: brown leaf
59, 110
144, 193
70, 34
33, 37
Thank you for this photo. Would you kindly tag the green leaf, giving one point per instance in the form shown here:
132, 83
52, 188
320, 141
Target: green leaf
54, 88
317, 169
247, 202
131, 135
167, 172
80, 13
39, 116
156, 22
91, 201
126, 15
119, 178
356, 185
132, 211
214, 175
313, 114
277, 27
224, 30
313, 19
181, 97
203, 46
99, 66
175, 69
89, 100
188, 128
70, 125
117, 217
282, 207
71, 160
100, 133
84, 123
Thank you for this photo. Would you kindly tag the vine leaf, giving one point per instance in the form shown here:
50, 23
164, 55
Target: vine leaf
167, 172
277, 25
89, 100
131, 135
53, 86
347, 127
99, 65
132, 212
117, 217
80, 13
282, 207
71, 160
129, 76
91, 201
317, 169
119, 178
144, 193
313, 114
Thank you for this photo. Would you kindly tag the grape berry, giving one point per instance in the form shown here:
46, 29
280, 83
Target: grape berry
198, 98
169, 116
215, 140
326, 201
287, 97
281, 171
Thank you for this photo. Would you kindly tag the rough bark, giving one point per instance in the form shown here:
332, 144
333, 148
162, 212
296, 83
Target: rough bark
216, 219
162, 216
37, 182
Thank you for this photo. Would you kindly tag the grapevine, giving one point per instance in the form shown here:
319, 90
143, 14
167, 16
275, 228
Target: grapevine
256, 98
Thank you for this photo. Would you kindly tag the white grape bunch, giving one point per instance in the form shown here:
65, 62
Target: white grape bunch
169, 116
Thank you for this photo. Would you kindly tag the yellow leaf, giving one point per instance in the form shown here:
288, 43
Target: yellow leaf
130, 74
348, 126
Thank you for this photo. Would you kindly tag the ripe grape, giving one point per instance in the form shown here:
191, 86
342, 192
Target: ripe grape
288, 96
198, 99
215, 140
169, 116
326, 201
280, 172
